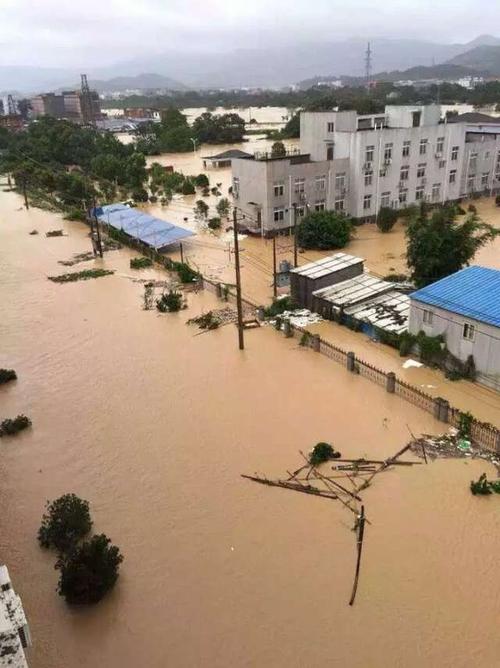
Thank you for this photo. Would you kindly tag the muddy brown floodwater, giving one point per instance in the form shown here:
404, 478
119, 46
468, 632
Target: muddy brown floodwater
154, 425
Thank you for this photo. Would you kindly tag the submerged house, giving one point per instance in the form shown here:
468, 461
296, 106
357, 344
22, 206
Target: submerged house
465, 309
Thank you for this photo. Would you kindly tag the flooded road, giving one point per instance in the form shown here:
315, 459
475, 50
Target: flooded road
154, 425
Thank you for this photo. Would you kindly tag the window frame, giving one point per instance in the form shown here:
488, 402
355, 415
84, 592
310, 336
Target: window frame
468, 332
428, 317
279, 189
277, 218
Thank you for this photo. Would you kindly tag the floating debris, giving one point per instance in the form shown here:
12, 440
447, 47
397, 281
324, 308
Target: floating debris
107, 245
6, 375
298, 318
33, 232
484, 487
452, 446
9, 427
141, 262
214, 319
84, 275
54, 233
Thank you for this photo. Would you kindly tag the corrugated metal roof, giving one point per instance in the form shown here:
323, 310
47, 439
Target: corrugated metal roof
389, 311
327, 265
473, 292
354, 290
153, 231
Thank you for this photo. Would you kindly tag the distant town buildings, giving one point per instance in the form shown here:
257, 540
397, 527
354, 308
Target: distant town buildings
68, 105
356, 164
14, 630
465, 309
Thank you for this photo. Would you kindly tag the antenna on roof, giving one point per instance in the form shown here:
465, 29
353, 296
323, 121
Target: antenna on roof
368, 64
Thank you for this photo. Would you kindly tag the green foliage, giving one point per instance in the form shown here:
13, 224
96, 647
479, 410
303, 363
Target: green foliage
201, 181
89, 571
322, 452
279, 306
206, 321
224, 129
201, 210
169, 302
438, 245
185, 273
75, 214
222, 207
84, 275
140, 195
305, 339
9, 426
214, 223
324, 230
484, 487
431, 348
292, 128
396, 278
187, 188
497, 200
465, 421
6, 375
65, 522
386, 219
278, 150
406, 343
141, 262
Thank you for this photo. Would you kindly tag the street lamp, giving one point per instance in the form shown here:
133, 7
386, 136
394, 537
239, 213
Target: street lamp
194, 144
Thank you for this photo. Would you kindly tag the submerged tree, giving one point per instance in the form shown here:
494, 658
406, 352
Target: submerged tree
324, 230
222, 207
438, 245
65, 522
89, 571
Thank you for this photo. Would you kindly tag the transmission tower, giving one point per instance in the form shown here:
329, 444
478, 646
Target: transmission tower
368, 64
87, 103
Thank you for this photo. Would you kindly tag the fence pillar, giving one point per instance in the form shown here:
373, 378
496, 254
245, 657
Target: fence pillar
444, 412
260, 313
287, 328
351, 361
437, 408
316, 343
390, 383
218, 290
277, 323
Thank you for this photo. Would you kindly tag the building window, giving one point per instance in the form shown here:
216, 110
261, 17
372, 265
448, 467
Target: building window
421, 171
453, 176
471, 183
469, 332
320, 182
405, 172
320, 205
485, 177
300, 211
419, 193
369, 153
423, 146
442, 164
330, 127
367, 202
340, 181
406, 148
473, 162
279, 189
388, 152
300, 185
487, 155
279, 215
440, 146
436, 192
368, 178
403, 196
329, 152
454, 152
385, 199
428, 317
236, 187
339, 205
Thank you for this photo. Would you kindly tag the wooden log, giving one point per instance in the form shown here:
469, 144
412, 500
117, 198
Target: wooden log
305, 489
361, 533
388, 462
363, 461
336, 484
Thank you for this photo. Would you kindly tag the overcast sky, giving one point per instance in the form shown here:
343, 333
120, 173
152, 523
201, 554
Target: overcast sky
59, 33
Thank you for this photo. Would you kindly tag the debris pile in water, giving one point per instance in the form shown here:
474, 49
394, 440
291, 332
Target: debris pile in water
214, 319
54, 233
451, 445
300, 317
81, 275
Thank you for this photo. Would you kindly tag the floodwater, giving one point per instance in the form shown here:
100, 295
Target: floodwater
153, 425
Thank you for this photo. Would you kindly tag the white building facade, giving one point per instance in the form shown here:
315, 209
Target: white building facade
14, 630
401, 157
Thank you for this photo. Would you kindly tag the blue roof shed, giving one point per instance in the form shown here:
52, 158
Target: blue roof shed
473, 292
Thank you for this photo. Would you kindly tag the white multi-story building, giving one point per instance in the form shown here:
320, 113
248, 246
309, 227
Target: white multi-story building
14, 630
359, 164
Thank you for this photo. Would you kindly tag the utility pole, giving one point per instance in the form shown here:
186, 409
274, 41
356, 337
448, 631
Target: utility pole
182, 252
295, 262
26, 203
98, 243
275, 285
239, 306
368, 64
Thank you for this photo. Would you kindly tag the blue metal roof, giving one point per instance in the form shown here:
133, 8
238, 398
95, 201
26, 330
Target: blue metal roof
473, 292
153, 231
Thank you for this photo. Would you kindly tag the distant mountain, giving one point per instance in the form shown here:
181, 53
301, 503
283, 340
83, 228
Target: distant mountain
139, 82
486, 58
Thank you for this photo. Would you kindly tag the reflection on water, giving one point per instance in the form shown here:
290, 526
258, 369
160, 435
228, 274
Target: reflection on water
154, 426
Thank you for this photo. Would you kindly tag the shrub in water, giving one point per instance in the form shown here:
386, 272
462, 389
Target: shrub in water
9, 426
140, 262
7, 375
322, 452
169, 302
65, 522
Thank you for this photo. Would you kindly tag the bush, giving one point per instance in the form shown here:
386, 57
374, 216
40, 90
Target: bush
322, 452
278, 150
153, 199
279, 306
84, 275
406, 343
465, 421
324, 230
185, 273
65, 522
386, 219
396, 278
141, 262
214, 223
89, 571
222, 207
187, 188
170, 302
7, 375
76, 214
140, 195
201, 181
9, 426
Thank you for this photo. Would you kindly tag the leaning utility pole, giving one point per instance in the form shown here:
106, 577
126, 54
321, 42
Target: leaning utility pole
295, 263
239, 305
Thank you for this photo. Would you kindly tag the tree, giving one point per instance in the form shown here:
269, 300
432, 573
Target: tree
292, 128
224, 129
201, 181
187, 188
438, 245
386, 219
222, 207
201, 210
278, 150
65, 522
324, 230
89, 571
